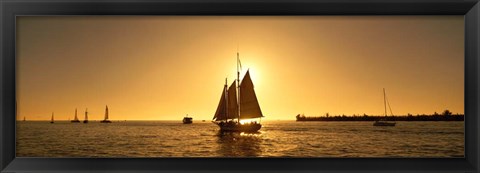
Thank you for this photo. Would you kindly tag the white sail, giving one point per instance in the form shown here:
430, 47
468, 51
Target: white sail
221, 113
232, 101
106, 112
249, 107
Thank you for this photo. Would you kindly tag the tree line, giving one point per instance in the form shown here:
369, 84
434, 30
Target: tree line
444, 116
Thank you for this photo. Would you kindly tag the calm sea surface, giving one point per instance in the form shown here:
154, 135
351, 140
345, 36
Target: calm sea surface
275, 139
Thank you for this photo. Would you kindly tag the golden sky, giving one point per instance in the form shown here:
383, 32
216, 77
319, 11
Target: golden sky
163, 67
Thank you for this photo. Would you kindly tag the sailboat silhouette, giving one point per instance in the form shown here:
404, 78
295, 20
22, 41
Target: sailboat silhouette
243, 105
106, 116
86, 116
384, 122
75, 120
52, 121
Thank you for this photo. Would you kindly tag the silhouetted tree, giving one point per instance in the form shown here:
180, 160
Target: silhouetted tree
447, 113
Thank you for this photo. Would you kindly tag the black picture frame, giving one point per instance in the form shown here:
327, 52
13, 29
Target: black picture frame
9, 9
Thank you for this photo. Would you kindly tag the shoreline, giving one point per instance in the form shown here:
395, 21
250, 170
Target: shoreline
388, 118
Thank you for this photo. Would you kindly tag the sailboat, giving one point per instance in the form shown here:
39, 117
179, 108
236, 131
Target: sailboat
234, 107
106, 116
86, 116
24, 119
75, 120
384, 122
51, 121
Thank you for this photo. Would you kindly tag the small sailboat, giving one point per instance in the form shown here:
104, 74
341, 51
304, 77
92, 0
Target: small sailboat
234, 107
75, 120
86, 116
384, 122
187, 120
52, 121
106, 116
24, 119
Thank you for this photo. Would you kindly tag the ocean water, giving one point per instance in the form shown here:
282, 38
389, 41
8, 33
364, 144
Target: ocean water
203, 139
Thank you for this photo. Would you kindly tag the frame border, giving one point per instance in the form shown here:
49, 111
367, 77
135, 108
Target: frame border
9, 9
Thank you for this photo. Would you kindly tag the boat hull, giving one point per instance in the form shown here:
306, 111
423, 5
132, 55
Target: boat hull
380, 123
75, 121
105, 121
235, 127
187, 120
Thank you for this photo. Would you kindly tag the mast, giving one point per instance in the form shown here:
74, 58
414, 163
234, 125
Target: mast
238, 85
385, 102
226, 100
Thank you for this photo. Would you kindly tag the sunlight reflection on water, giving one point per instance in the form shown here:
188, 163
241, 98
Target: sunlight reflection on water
275, 139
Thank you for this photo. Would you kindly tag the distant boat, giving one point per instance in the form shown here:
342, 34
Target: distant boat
75, 120
106, 116
203, 120
86, 116
52, 121
232, 109
187, 120
24, 119
384, 121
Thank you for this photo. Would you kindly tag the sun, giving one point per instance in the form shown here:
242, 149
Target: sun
255, 73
